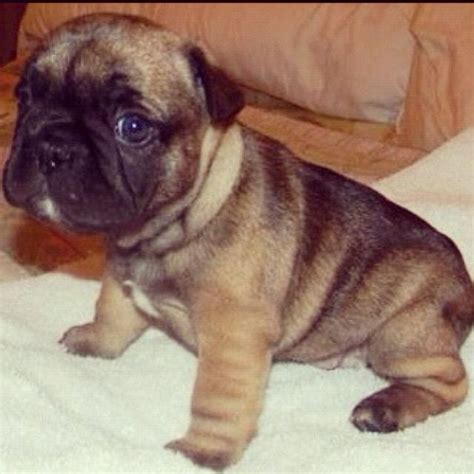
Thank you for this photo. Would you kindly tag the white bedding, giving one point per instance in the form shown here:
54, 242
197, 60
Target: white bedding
60, 413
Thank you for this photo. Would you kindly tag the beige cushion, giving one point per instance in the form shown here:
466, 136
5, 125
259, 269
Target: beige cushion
346, 60
440, 95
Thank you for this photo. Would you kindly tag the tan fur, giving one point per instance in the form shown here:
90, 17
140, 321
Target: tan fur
249, 256
175, 232
222, 175
116, 325
234, 362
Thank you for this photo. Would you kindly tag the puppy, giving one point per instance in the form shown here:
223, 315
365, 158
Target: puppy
224, 239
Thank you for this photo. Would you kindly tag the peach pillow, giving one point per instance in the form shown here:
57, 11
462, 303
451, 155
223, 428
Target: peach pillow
346, 60
440, 95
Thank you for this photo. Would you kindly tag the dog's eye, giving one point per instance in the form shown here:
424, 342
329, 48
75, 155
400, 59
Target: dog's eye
133, 129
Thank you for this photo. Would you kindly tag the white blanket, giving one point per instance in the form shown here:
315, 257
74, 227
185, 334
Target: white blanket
61, 413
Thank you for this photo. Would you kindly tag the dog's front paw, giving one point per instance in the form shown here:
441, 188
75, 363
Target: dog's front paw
217, 458
90, 340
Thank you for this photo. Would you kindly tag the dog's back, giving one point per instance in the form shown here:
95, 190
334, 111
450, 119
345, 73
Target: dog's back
358, 258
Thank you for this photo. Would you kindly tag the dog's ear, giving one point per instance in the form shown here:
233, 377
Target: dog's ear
223, 98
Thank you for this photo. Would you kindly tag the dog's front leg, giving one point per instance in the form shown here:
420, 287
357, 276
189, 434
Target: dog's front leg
234, 350
116, 324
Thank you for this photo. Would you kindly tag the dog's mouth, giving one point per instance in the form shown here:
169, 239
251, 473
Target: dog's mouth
79, 203
43, 209
81, 219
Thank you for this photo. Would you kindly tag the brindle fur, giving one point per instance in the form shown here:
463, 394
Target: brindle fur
244, 253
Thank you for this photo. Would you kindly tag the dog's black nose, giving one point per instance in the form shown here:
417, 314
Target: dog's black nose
52, 140
59, 151
52, 154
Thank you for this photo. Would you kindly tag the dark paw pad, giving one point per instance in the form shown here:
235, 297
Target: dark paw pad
76, 343
376, 415
87, 341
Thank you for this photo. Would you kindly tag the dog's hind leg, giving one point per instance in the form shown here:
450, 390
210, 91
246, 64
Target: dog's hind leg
417, 351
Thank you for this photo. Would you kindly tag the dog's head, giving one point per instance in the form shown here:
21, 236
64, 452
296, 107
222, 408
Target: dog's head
112, 111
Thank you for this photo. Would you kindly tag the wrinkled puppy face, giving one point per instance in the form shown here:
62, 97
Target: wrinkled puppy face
111, 115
